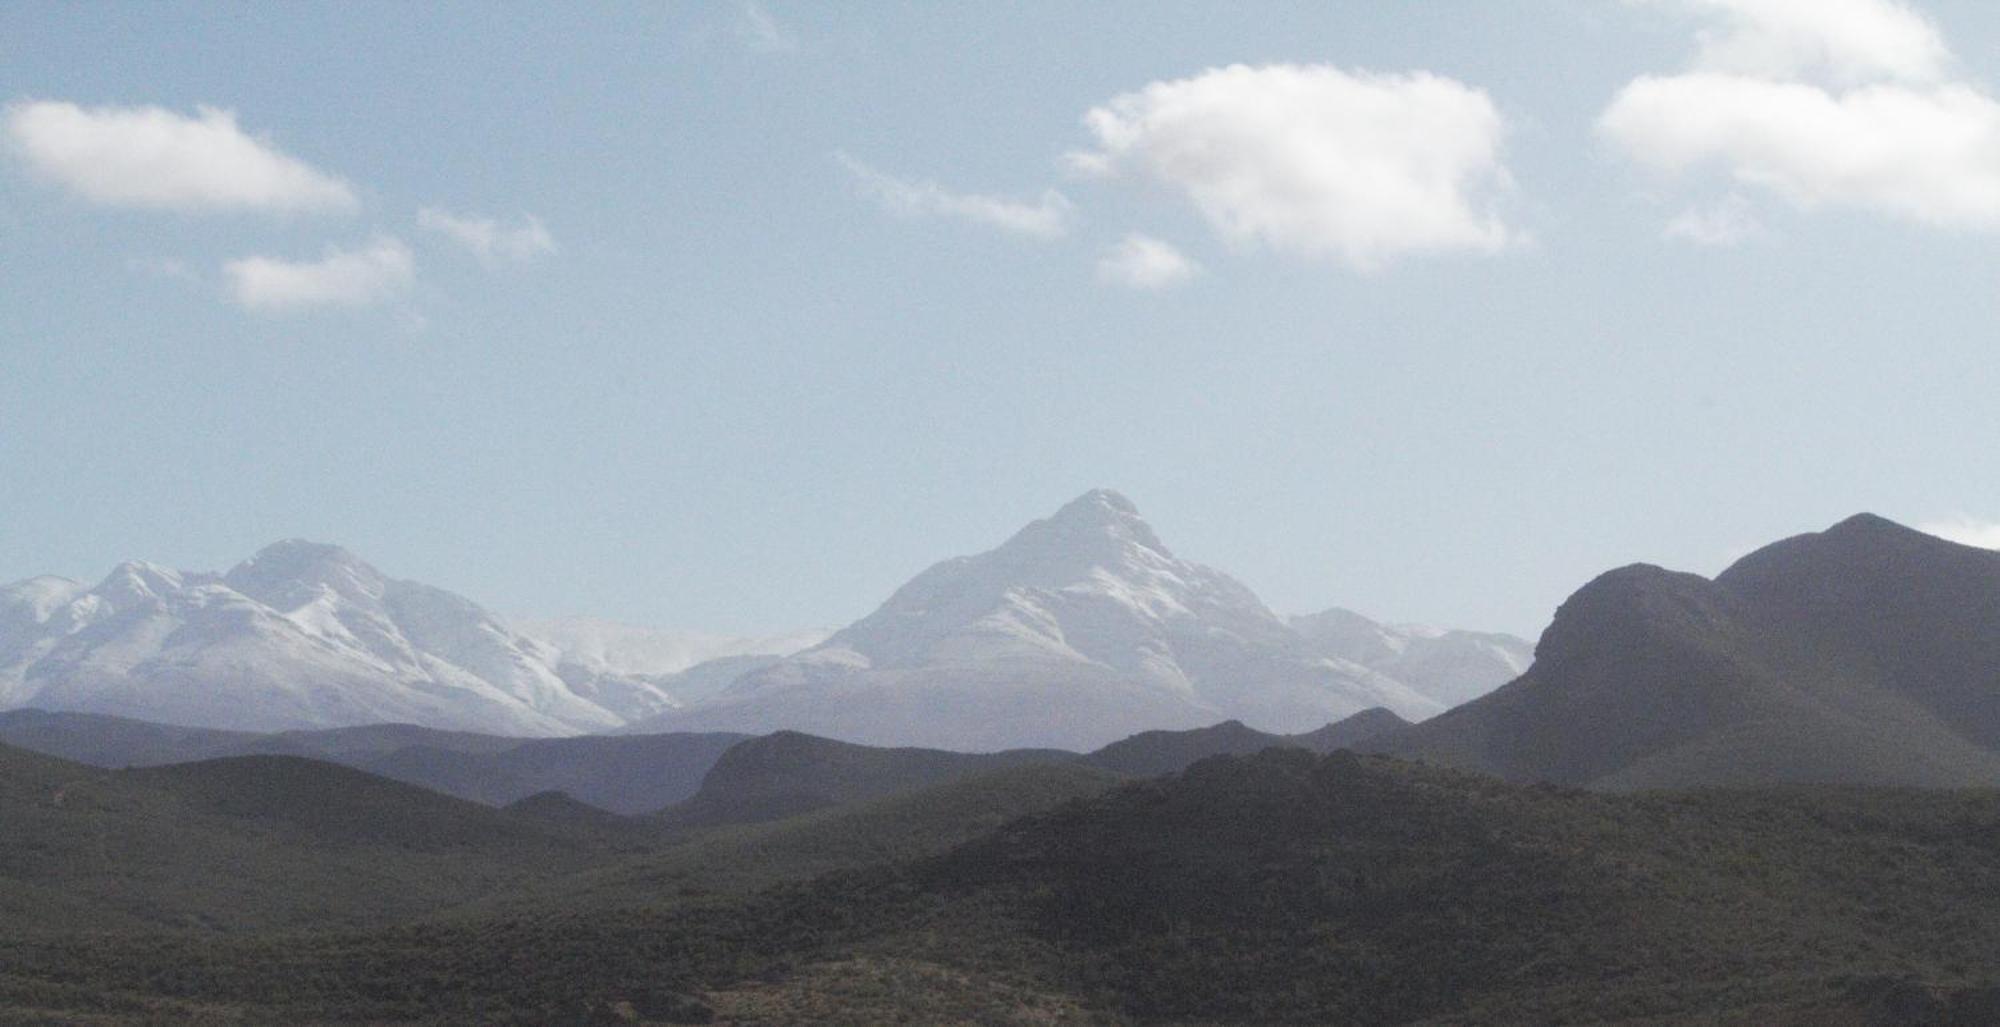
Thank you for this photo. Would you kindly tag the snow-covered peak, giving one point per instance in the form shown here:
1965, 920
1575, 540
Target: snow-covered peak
606, 646
136, 582
38, 597
1090, 522
1080, 628
301, 635
1091, 581
1451, 665
290, 574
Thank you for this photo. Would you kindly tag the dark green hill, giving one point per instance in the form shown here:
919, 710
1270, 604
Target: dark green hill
249, 842
105, 741
1151, 753
1282, 887
1868, 653
734, 860
1352, 731
788, 773
562, 810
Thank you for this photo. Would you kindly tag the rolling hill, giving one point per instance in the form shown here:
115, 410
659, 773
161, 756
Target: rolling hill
1281, 887
250, 843
1151, 753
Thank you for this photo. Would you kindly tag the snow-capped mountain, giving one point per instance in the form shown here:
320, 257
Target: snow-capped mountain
1081, 629
301, 635
1448, 665
633, 650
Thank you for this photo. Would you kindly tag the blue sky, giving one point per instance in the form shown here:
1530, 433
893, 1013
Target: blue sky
735, 316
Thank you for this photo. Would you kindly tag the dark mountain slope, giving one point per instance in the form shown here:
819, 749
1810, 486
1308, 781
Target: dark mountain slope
1863, 654
1282, 887
734, 860
631, 775
787, 773
106, 741
1151, 753
1914, 612
328, 806
1353, 889
1353, 731
628, 774
246, 843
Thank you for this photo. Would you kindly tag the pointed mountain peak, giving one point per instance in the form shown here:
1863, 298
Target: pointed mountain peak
1098, 504
1102, 513
293, 572
138, 580
1862, 546
1864, 524
299, 552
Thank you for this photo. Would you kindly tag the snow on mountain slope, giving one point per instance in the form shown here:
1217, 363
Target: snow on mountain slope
301, 635
1081, 629
611, 647
1448, 665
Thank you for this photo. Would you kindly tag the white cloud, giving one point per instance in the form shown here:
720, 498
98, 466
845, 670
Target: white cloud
1847, 40
151, 157
762, 33
1727, 223
343, 278
1046, 218
1143, 262
488, 239
1314, 161
1886, 132
1965, 530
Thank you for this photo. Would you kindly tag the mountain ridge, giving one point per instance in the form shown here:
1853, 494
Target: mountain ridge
1086, 611
1865, 653
1079, 629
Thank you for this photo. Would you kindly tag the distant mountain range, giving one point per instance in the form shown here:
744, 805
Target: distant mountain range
1866, 653
626, 775
688, 664
300, 635
693, 779
1080, 630
1084, 628
1216, 874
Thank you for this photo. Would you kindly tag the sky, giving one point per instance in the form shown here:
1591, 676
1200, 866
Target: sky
733, 316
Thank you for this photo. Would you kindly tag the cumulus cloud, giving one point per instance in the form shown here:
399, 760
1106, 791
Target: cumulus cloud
1965, 530
1819, 104
1047, 217
154, 158
762, 32
1848, 40
1315, 161
488, 239
342, 278
1143, 262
